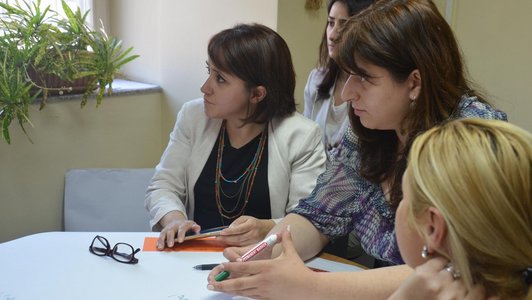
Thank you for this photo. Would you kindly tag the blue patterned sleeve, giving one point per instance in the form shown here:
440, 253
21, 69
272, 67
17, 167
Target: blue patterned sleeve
343, 201
471, 107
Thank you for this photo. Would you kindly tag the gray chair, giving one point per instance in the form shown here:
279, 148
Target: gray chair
106, 200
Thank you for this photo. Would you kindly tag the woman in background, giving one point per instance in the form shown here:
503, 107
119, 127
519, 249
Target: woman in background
323, 103
241, 156
467, 209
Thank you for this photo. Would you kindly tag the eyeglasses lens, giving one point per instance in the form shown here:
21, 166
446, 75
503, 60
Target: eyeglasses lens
100, 246
123, 252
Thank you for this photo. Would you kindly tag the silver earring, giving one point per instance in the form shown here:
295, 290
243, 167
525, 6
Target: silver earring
425, 252
412, 102
454, 272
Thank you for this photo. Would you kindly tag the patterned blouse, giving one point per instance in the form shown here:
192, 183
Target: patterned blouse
343, 201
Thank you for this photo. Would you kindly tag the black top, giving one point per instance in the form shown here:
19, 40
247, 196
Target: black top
234, 163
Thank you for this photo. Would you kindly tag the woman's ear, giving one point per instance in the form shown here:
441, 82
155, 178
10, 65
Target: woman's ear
258, 94
435, 230
415, 84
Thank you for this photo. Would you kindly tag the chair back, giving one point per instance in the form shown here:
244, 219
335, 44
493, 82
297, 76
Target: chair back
106, 200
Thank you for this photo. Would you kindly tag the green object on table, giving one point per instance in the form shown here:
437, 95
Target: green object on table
221, 276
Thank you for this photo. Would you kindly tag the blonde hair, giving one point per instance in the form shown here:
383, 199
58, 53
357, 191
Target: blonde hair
478, 173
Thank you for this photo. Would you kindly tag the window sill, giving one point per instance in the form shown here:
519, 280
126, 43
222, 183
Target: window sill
121, 87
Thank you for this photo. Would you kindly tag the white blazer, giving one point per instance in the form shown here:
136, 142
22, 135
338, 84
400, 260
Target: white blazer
295, 159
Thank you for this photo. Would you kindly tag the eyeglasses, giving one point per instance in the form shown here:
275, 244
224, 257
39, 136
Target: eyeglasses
121, 252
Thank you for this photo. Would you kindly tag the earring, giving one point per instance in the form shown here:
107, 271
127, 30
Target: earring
412, 102
425, 252
454, 272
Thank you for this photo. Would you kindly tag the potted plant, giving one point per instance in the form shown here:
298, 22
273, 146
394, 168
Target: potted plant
42, 53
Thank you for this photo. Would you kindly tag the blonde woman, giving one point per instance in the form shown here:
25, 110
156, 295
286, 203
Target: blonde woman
465, 222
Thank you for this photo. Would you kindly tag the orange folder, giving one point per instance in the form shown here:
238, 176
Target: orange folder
209, 244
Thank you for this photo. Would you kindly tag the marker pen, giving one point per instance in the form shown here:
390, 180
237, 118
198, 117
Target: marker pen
205, 266
267, 242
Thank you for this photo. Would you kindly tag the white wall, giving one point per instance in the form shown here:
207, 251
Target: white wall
172, 36
302, 29
496, 39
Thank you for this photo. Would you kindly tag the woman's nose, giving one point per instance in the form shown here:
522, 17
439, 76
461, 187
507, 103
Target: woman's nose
333, 35
349, 91
204, 87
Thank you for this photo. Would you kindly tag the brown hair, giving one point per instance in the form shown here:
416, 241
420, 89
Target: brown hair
402, 36
260, 57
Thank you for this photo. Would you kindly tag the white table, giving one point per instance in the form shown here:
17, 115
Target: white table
58, 265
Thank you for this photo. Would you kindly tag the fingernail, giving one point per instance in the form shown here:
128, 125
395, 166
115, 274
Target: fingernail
210, 287
288, 228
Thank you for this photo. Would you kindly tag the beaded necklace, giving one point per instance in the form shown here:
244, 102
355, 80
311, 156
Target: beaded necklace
247, 177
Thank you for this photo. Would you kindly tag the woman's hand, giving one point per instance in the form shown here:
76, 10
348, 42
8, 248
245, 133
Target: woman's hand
431, 280
234, 253
285, 277
175, 226
245, 231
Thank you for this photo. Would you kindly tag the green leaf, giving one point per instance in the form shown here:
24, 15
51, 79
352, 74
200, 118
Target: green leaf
70, 15
5, 126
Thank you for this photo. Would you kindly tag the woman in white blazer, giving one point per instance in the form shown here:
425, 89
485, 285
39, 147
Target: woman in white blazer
241, 156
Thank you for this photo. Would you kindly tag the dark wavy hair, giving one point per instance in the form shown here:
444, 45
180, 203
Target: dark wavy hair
402, 36
260, 57
329, 65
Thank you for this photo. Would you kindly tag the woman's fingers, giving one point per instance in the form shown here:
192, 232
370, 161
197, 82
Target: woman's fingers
232, 253
287, 243
184, 227
243, 231
240, 278
175, 231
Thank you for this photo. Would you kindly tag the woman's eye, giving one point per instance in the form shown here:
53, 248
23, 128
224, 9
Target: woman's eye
220, 79
330, 23
215, 74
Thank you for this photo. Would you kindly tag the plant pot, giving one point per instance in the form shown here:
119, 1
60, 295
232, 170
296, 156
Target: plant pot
57, 86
